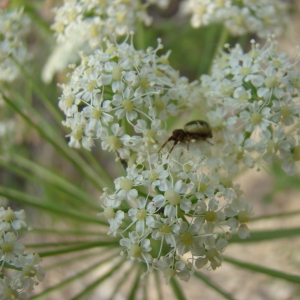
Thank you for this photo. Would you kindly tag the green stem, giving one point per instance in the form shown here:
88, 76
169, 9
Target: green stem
260, 236
140, 36
222, 40
77, 248
64, 232
99, 180
77, 276
37, 173
39, 203
212, 285
39, 91
135, 285
97, 282
267, 271
178, 292
9, 266
74, 259
280, 215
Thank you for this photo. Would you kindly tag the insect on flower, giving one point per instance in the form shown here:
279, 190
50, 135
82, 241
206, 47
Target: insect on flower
194, 130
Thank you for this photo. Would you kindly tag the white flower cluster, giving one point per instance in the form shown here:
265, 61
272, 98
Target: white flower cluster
239, 17
166, 208
19, 271
254, 105
89, 21
13, 27
82, 24
118, 85
166, 205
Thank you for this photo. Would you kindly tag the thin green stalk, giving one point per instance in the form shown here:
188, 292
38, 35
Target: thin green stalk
88, 289
145, 288
44, 175
68, 281
280, 215
120, 283
73, 199
260, 269
4, 264
222, 40
35, 17
99, 180
177, 290
135, 284
77, 248
73, 259
212, 285
140, 36
65, 232
59, 244
39, 91
158, 285
53, 132
261, 236
39, 203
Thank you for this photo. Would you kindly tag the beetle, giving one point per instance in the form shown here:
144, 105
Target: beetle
194, 130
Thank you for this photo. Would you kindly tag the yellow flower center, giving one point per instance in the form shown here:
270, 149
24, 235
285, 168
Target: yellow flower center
29, 271
211, 254
186, 239
69, 101
126, 184
109, 213
210, 216
271, 81
296, 153
114, 142
245, 71
9, 215
141, 214
135, 251
7, 247
97, 113
172, 197
226, 182
285, 111
144, 83
128, 105
159, 104
91, 86
152, 176
117, 72
202, 187
255, 118
243, 216
169, 272
77, 132
165, 229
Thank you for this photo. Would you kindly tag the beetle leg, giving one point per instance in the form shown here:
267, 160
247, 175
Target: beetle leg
188, 140
175, 143
123, 161
171, 138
